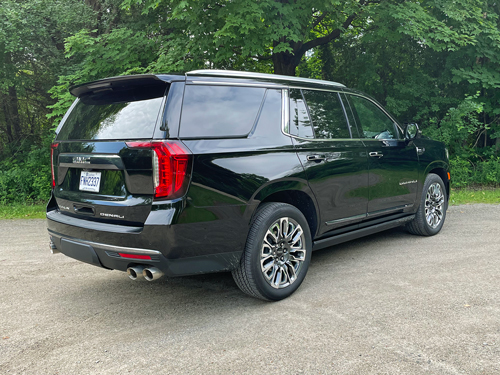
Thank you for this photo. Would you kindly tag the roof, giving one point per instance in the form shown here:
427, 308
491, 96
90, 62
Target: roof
120, 82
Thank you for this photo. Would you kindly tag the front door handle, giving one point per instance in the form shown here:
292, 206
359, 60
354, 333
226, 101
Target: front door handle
316, 157
376, 154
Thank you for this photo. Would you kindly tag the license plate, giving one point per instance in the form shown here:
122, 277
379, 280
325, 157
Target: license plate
90, 181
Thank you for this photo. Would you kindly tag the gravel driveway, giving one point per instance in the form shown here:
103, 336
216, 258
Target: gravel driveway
391, 303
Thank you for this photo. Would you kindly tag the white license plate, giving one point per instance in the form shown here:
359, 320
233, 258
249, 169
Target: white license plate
90, 181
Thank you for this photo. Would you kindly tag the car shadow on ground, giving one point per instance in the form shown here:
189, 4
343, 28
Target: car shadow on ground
190, 297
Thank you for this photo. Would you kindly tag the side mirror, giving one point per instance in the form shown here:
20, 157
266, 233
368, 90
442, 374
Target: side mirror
411, 131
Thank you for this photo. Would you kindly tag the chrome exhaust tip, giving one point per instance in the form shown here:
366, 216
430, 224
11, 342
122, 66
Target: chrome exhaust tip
135, 272
53, 248
152, 273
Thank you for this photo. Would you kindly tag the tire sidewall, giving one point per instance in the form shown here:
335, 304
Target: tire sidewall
254, 245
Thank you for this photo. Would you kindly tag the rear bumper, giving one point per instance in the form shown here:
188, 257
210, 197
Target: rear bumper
170, 248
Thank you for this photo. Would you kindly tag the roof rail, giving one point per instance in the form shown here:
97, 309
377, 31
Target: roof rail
238, 74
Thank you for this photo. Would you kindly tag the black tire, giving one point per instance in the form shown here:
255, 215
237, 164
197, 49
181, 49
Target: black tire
436, 204
250, 275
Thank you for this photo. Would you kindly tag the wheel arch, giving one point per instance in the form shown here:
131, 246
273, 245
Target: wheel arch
300, 197
441, 169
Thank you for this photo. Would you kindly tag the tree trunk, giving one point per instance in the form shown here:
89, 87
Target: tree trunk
13, 112
8, 129
96, 7
285, 63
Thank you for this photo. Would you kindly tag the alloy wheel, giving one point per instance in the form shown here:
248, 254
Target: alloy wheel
434, 204
283, 252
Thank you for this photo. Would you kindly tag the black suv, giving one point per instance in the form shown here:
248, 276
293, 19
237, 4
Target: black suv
231, 171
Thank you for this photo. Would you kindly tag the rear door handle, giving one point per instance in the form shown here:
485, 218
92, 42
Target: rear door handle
376, 154
316, 157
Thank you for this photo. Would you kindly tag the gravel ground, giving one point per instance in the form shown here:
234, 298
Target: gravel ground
391, 303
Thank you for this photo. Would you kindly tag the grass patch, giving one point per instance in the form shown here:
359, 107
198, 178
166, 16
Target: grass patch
22, 211
467, 196
457, 196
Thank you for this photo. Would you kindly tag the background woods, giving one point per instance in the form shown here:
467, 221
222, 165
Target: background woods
435, 62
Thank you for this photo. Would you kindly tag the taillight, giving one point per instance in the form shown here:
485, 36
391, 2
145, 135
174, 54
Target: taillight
53, 146
171, 167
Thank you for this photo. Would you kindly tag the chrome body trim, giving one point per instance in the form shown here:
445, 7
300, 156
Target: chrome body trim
389, 210
346, 220
285, 111
102, 246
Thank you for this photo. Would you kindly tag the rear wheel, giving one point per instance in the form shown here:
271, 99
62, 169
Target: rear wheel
277, 253
431, 213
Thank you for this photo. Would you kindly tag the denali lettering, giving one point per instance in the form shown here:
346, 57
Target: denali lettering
408, 182
112, 215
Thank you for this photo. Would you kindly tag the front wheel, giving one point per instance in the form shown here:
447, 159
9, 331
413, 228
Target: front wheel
277, 253
431, 213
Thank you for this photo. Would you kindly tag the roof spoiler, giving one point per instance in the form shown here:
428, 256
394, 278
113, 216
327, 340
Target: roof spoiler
122, 82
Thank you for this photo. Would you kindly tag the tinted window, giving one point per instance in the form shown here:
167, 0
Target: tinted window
373, 121
327, 114
122, 120
270, 115
350, 117
300, 124
219, 111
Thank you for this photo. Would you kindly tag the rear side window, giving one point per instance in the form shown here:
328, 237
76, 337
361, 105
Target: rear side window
129, 114
327, 115
219, 111
300, 124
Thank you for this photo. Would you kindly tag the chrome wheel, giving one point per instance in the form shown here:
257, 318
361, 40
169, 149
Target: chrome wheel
434, 205
283, 252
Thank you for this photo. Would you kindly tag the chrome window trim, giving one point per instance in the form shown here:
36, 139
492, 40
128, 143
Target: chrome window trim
285, 112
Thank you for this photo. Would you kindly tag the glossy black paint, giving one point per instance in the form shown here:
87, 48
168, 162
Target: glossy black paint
339, 181
345, 195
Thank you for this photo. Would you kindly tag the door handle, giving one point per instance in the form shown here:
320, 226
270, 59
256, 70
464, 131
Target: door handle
420, 151
376, 154
316, 157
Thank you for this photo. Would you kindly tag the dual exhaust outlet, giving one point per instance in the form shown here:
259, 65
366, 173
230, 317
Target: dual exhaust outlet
149, 273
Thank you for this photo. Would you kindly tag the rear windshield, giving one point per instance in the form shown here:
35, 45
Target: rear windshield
127, 115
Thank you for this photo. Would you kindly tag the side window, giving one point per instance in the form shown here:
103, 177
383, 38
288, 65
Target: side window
300, 124
373, 122
350, 116
219, 111
327, 114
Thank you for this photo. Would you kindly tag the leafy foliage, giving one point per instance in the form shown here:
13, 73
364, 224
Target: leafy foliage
431, 61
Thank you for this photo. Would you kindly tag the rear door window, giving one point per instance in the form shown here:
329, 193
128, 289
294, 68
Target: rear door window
129, 114
219, 111
327, 114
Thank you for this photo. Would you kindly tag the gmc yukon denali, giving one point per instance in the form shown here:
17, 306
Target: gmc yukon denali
249, 173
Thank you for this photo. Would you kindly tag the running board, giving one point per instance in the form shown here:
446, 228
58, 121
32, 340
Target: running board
344, 237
